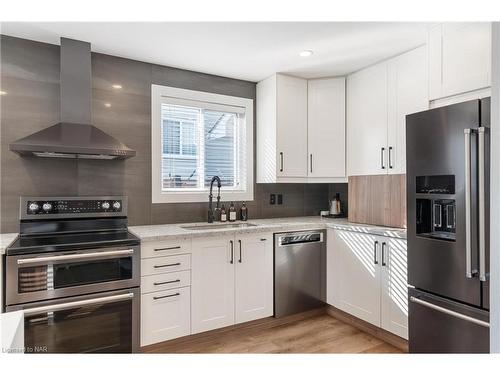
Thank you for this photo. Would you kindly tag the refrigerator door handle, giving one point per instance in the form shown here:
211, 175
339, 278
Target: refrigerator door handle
482, 210
468, 204
449, 312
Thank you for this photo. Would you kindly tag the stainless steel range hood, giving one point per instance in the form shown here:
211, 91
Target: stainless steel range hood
75, 136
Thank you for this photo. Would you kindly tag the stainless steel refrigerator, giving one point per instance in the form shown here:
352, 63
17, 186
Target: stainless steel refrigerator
447, 151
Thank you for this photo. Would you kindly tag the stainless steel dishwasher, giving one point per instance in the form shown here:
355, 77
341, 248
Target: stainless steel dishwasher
299, 271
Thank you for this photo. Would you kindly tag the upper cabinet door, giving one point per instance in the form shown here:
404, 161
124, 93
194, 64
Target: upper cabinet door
407, 93
291, 126
394, 296
212, 284
326, 127
459, 58
367, 121
254, 277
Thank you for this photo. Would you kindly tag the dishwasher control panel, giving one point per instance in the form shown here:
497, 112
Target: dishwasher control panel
297, 238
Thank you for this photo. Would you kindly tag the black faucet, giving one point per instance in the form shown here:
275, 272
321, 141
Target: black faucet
211, 215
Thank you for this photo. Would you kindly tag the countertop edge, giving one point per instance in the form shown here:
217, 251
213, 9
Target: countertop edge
263, 225
6, 239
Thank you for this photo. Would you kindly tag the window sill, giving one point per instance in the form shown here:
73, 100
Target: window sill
201, 197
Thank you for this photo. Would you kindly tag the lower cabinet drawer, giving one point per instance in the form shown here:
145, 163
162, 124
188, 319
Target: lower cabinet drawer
155, 266
153, 249
165, 281
165, 315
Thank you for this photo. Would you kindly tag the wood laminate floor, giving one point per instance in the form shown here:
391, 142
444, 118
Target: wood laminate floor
314, 334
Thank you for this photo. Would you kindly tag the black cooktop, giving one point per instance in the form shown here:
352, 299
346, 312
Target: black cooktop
70, 241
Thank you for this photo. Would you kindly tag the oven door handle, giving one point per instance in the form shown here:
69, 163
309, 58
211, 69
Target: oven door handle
75, 256
75, 304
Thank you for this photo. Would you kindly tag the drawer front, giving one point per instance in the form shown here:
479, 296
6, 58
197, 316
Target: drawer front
155, 249
174, 263
165, 281
165, 315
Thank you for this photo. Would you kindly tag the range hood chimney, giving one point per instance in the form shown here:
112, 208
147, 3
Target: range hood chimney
74, 137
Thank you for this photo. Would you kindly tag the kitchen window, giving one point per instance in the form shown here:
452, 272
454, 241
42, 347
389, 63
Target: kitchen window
195, 136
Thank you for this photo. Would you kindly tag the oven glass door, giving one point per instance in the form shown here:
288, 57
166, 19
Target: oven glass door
57, 275
99, 323
73, 273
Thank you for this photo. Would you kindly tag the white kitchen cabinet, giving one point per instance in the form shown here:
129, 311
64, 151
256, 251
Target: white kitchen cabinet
232, 280
165, 290
326, 127
281, 128
394, 288
254, 277
212, 283
378, 100
291, 126
353, 278
407, 93
367, 121
459, 58
367, 278
300, 130
155, 266
165, 315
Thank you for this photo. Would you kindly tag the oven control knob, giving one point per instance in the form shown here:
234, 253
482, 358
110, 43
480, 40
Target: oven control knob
47, 206
117, 205
105, 205
33, 207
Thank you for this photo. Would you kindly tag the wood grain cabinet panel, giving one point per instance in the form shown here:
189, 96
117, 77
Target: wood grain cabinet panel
378, 200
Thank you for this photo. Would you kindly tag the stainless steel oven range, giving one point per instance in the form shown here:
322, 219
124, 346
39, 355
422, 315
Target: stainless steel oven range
74, 270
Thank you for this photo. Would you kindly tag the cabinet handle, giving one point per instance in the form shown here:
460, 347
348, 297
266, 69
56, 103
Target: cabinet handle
375, 245
167, 282
166, 265
168, 248
167, 296
281, 162
263, 239
383, 254
239, 241
311, 157
232, 252
390, 158
382, 150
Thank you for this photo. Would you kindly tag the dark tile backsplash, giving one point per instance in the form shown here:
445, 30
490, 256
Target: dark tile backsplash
30, 76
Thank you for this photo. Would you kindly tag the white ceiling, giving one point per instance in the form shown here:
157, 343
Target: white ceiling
249, 50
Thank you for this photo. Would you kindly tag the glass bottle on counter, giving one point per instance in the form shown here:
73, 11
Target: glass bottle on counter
232, 212
243, 212
223, 214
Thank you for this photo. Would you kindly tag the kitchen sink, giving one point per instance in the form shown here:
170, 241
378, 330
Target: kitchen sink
218, 226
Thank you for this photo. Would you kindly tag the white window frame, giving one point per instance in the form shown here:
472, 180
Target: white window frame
172, 95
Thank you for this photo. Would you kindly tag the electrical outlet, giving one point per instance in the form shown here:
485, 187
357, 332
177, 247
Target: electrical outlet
272, 199
280, 198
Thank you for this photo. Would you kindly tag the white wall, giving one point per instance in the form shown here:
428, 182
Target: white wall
495, 198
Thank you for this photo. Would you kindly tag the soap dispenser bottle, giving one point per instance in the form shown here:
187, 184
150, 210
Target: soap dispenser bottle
232, 212
244, 212
223, 214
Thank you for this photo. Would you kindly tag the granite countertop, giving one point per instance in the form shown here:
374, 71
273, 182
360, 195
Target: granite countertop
176, 231
5, 240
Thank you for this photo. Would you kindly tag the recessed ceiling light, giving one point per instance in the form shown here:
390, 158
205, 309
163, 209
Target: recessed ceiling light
306, 53
117, 87
107, 105
3, 92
